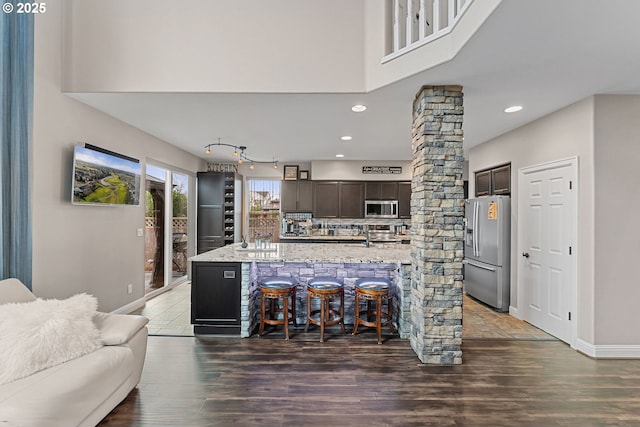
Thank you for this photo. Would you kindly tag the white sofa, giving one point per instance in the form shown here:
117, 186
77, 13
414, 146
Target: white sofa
82, 391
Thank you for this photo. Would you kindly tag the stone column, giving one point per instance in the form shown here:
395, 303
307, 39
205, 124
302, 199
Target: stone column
437, 214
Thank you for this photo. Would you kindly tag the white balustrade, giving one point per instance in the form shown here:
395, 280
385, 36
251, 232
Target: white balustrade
418, 22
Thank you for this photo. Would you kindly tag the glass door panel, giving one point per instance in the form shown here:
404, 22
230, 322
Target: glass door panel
179, 237
154, 238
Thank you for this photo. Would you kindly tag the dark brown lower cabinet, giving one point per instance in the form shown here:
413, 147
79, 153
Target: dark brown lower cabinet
215, 297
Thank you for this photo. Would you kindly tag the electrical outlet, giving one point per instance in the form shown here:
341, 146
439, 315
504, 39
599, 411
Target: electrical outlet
129, 288
140, 232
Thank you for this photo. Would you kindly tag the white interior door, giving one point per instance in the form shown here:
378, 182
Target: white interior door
546, 235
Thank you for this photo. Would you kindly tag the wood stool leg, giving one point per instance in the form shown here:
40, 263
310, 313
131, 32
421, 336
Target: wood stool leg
390, 309
356, 319
323, 315
285, 314
262, 314
306, 327
379, 318
342, 311
293, 308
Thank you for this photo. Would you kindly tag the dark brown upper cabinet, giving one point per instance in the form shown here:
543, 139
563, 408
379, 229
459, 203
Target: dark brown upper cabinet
381, 190
326, 199
296, 196
351, 200
404, 199
338, 199
494, 181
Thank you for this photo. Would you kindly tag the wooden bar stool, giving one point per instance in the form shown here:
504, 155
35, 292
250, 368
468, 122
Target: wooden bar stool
325, 289
275, 289
376, 290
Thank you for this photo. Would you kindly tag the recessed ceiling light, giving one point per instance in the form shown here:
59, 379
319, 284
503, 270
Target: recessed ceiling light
358, 108
340, 155
346, 138
513, 109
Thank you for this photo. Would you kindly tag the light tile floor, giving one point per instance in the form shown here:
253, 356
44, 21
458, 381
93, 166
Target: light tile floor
170, 314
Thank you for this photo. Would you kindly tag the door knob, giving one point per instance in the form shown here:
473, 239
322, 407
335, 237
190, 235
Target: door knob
525, 254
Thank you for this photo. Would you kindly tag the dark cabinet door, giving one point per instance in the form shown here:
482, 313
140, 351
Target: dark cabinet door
351, 200
326, 199
372, 190
483, 183
494, 181
289, 196
296, 196
210, 211
305, 196
210, 227
388, 191
381, 190
404, 199
215, 297
501, 180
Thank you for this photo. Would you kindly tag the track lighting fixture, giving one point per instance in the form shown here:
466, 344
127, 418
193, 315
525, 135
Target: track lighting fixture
241, 155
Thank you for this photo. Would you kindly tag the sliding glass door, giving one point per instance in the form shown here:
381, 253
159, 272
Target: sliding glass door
167, 226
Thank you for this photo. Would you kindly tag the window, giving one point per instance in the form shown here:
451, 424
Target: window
264, 209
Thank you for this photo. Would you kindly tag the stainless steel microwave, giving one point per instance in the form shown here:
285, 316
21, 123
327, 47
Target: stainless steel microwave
381, 209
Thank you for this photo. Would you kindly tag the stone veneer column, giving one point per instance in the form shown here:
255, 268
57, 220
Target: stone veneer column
437, 213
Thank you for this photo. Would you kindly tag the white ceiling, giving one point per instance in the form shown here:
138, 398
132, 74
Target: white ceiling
541, 54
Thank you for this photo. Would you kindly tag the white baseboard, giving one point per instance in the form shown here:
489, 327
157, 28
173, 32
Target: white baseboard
608, 351
134, 305
514, 312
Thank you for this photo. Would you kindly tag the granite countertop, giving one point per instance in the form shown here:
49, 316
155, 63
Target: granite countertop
356, 238
311, 252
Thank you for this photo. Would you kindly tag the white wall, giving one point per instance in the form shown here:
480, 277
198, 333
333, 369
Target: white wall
617, 203
565, 133
82, 248
233, 46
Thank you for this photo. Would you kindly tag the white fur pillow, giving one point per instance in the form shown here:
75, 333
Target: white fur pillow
43, 333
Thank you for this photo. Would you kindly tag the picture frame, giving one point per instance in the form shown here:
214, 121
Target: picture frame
304, 175
290, 172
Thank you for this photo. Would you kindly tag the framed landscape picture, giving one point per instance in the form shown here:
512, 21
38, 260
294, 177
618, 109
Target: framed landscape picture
290, 172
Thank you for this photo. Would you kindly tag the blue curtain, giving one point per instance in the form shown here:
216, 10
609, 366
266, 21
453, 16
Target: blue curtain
16, 110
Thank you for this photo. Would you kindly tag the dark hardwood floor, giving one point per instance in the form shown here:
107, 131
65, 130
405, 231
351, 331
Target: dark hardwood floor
352, 381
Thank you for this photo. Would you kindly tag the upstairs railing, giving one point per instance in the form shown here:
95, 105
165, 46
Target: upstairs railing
418, 22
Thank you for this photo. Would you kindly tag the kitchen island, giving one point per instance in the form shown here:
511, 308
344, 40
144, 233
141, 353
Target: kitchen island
224, 281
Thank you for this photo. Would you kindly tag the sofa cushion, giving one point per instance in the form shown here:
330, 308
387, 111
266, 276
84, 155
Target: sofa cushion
66, 394
13, 290
43, 333
116, 329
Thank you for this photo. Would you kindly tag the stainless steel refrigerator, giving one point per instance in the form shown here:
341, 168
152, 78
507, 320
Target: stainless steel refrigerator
487, 250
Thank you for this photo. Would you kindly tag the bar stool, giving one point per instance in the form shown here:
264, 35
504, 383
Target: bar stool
378, 290
325, 289
275, 289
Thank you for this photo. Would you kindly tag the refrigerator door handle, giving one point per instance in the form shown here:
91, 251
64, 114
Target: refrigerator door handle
478, 265
476, 245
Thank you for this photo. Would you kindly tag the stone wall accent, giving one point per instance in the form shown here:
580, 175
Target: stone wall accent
437, 214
